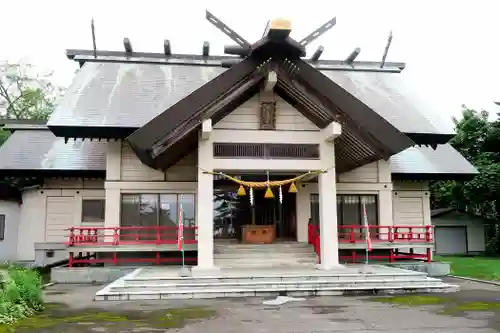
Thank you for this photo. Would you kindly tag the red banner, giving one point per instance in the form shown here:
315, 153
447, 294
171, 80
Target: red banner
180, 233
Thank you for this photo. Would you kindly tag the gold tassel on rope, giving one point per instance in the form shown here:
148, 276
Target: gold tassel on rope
241, 191
269, 194
293, 188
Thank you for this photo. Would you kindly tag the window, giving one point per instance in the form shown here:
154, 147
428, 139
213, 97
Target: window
157, 209
151, 210
349, 209
93, 210
2, 227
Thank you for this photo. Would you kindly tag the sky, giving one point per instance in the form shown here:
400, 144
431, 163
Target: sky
450, 47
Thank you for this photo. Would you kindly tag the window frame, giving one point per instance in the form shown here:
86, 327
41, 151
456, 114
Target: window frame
3, 226
158, 205
94, 219
340, 210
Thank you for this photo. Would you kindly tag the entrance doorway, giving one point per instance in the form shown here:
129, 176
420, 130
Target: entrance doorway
232, 212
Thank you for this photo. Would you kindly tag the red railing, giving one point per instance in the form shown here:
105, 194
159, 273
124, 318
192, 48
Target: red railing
137, 235
406, 236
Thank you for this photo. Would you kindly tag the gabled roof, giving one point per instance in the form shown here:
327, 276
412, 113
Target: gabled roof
34, 151
457, 215
111, 100
424, 162
135, 93
366, 135
392, 97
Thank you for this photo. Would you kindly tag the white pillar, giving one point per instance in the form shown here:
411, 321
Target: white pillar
205, 218
205, 206
385, 210
327, 190
328, 220
112, 211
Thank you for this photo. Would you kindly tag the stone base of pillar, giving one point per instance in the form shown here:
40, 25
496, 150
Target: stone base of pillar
204, 271
320, 267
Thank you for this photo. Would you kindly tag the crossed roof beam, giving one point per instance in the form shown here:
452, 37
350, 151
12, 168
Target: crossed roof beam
159, 142
237, 52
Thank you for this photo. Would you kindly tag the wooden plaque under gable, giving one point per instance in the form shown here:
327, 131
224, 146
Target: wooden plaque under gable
268, 115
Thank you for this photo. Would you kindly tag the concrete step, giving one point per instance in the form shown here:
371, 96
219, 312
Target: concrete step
139, 281
232, 263
259, 256
254, 285
146, 294
168, 283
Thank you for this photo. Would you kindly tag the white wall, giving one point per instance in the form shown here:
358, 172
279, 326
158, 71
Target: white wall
411, 203
373, 178
247, 117
8, 246
475, 228
125, 173
47, 211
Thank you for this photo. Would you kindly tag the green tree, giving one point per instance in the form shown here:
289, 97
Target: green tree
25, 93
478, 140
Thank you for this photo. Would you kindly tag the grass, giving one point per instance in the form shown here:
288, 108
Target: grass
411, 300
483, 268
20, 293
57, 317
450, 306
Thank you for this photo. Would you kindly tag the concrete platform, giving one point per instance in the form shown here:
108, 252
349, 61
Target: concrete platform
175, 283
434, 269
88, 275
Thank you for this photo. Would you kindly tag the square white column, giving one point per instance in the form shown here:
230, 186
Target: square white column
204, 202
328, 220
205, 218
112, 212
327, 190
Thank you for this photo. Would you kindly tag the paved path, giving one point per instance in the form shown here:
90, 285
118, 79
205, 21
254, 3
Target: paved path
326, 314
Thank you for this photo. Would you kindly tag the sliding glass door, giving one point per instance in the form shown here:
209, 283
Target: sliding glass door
151, 210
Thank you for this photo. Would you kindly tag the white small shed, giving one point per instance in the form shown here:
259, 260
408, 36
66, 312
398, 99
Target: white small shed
457, 232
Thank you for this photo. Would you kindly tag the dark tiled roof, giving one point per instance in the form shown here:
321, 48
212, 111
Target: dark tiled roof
40, 150
425, 160
129, 95
391, 96
125, 94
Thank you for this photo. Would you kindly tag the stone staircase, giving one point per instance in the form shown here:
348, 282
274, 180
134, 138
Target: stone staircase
175, 283
290, 254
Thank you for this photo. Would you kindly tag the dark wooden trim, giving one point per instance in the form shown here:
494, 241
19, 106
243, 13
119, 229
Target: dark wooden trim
432, 176
9, 193
164, 157
430, 138
301, 81
225, 103
99, 174
378, 132
97, 132
83, 56
145, 137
